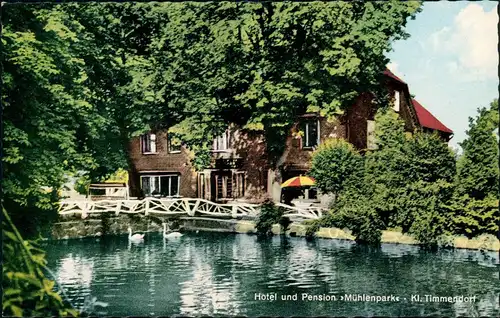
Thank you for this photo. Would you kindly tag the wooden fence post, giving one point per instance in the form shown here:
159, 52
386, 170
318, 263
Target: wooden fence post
118, 207
193, 211
84, 211
234, 211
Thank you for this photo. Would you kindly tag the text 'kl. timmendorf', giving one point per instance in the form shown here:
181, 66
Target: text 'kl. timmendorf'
363, 298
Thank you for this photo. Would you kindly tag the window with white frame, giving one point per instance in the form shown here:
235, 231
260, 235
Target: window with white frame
174, 145
397, 100
370, 135
221, 143
310, 129
148, 143
161, 185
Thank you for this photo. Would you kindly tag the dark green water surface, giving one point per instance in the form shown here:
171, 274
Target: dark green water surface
220, 274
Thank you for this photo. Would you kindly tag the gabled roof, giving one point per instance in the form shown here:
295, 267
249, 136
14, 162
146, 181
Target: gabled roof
424, 117
391, 75
428, 120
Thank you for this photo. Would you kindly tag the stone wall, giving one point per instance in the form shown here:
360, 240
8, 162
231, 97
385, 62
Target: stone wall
74, 227
69, 228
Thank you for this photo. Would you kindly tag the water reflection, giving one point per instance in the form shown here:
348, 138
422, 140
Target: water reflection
219, 274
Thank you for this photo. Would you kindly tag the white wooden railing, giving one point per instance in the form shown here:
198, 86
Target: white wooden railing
188, 206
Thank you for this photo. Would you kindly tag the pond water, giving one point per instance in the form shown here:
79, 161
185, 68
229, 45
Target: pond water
220, 274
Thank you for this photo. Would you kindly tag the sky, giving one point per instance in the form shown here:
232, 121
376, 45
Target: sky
450, 61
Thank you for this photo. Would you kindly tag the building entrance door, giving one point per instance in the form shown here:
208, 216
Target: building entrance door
221, 183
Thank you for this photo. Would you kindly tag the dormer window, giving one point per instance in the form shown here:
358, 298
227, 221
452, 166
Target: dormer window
397, 100
310, 129
148, 143
221, 143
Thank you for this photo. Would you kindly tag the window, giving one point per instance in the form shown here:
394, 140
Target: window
221, 143
397, 100
370, 135
174, 144
148, 143
229, 185
311, 133
166, 185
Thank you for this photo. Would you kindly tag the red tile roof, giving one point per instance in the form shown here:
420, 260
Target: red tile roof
428, 120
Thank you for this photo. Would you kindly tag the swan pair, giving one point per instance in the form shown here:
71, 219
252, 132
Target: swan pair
138, 237
170, 235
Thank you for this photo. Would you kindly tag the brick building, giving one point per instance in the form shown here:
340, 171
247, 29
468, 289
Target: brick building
240, 169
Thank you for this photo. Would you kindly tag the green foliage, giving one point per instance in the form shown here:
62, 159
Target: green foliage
478, 170
27, 292
384, 178
473, 217
411, 182
422, 202
284, 222
268, 216
336, 165
408, 183
411, 179
44, 107
74, 93
429, 158
82, 184
263, 64
423, 212
475, 201
389, 130
355, 212
311, 228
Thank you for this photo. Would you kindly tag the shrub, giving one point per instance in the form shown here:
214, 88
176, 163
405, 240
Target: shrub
311, 228
355, 213
363, 222
336, 165
473, 217
268, 216
284, 222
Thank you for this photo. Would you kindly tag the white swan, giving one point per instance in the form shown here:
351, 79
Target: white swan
170, 235
137, 237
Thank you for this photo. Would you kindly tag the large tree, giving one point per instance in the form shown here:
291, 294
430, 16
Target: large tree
263, 64
409, 178
478, 170
45, 104
476, 197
